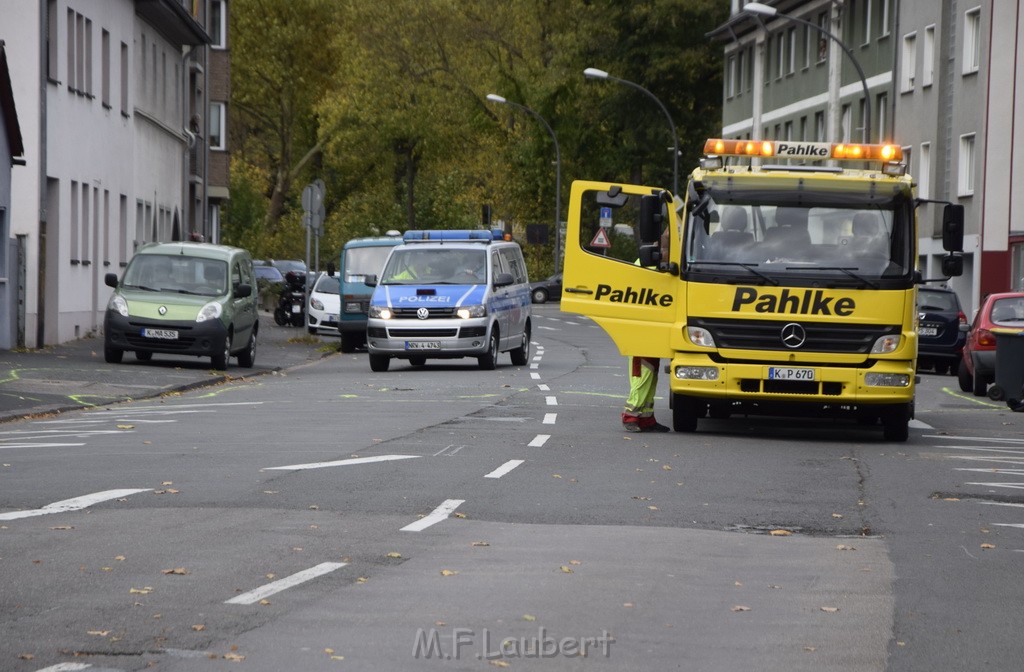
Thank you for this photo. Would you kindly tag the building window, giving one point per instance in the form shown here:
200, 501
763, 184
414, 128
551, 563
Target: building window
88, 58
883, 105
74, 223
124, 79
908, 62
846, 122
792, 51
865, 24
105, 64
71, 49
780, 56
883, 19
809, 43
218, 139
819, 127
80, 53
740, 68
218, 25
965, 170
924, 171
730, 77
972, 41
822, 40
51, 40
928, 57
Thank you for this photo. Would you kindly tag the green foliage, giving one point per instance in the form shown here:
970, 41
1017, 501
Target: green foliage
386, 103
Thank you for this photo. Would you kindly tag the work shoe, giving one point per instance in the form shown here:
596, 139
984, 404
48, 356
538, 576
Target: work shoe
631, 427
656, 427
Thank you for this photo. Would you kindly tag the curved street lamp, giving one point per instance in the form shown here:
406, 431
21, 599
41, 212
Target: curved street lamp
594, 73
495, 98
760, 9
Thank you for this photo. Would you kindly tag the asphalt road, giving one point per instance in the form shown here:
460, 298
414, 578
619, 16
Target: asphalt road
443, 517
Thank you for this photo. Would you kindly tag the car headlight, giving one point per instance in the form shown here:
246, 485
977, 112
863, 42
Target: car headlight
382, 312
118, 304
316, 304
467, 312
886, 344
700, 336
210, 311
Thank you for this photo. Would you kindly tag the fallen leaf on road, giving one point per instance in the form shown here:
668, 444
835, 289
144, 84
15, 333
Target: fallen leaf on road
653, 508
480, 543
26, 656
393, 554
566, 568
199, 627
780, 533
498, 663
528, 617
837, 515
177, 570
830, 610
448, 572
119, 558
98, 633
167, 483
63, 527
234, 657
740, 607
126, 426
844, 547
141, 591
265, 602
666, 467
987, 546
459, 515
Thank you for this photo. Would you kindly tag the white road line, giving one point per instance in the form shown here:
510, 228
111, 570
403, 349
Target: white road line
504, 469
543, 388
1001, 472
1001, 459
66, 667
917, 424
991, 503
971, 438
534, 365
1012, 486
983, 449
1019, 526
549, 418
539, 440
7, 446
551, 401
254, 596
535, 376
541, 326
449, 450
538, 357
341, 463
73, 504
446, 509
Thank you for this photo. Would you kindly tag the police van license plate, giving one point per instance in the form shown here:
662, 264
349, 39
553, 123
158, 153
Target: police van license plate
422, 345
790, 373
166, 334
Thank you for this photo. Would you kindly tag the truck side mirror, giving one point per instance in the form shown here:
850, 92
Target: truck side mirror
331, 270
953, 229
651, 219
370, 280
952, 265
650, 255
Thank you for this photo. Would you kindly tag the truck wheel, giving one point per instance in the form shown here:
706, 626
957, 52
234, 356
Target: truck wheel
964, 377
489, 361
684, 413
895, 423
379, 363
349, 341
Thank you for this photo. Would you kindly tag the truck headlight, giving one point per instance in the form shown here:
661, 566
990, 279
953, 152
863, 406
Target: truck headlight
697, 372
467, 312
886, 344
210, 311
700, 336
887, 379
118, 304
381, 312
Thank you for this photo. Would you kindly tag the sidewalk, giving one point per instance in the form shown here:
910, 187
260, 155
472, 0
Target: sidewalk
74, 375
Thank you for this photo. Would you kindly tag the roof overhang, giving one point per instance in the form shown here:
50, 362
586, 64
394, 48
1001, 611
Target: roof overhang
173, 21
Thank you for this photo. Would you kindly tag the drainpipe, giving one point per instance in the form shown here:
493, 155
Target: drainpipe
190, 140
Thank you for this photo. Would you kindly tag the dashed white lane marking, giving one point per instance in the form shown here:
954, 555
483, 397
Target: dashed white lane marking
534, 365
341, 463
1012, 486
551, 401
535, 376
972, 438
538, 357
541, 326
539, 440
504, 469
254, 596
446, 509
6, 446
74, 504
66, 667
543, 388
917, 424
549, 418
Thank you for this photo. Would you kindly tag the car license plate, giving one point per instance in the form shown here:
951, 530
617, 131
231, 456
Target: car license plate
166, 334
790, 373
927, 331
296, 308
422, 345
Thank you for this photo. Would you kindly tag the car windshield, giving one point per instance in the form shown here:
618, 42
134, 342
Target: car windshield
360, 262
327, 284
1008, 312
268, 273
435, 266
176, 273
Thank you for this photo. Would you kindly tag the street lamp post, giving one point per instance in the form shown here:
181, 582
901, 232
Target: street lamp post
760, 9
594, 73
495, 98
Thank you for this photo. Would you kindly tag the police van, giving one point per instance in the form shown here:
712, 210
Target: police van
450, 294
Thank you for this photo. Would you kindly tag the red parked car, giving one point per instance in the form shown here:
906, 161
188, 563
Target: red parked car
978, 364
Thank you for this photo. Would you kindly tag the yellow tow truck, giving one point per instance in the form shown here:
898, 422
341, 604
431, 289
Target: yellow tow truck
787, 286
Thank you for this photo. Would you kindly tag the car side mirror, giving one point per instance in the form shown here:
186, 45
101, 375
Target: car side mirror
111, 280
243, 290
965, 328
331, 270
370, 280
503, 280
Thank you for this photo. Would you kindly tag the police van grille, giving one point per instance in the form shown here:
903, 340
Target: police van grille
423, 333
432, 313
821, 336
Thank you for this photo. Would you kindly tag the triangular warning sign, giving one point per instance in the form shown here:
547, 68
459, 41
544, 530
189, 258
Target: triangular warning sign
601, 238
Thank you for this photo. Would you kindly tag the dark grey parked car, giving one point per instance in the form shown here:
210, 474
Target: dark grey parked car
939, 338
549, 289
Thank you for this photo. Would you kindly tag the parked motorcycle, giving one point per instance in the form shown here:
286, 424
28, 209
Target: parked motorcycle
291, 308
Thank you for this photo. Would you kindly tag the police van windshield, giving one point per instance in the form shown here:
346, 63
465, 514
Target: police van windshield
864, 242
435, 266
363, 261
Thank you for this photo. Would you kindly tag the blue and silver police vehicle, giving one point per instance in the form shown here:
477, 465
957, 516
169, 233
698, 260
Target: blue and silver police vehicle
447, 294
360, 258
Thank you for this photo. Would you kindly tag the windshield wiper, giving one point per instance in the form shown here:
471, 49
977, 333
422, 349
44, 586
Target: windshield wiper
847, 271
749, 267
142, 287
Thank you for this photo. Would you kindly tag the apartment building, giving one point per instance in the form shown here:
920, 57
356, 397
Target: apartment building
114, 98
11, 151
942, 78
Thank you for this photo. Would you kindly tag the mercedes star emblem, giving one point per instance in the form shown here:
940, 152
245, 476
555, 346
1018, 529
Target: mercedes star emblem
422, 313
793, 335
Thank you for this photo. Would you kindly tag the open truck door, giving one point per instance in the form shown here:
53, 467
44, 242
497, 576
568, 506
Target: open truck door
621, 269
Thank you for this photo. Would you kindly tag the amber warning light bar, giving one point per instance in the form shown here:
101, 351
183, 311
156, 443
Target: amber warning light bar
815, 151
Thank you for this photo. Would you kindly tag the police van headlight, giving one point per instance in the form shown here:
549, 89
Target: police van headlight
467, 312
887, 379
886, 344
118, 305
700, 336
382, 312
210, 311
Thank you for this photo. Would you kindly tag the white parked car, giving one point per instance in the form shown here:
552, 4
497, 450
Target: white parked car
324, 305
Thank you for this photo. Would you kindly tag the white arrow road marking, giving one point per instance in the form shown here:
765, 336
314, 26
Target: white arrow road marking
66, 667
539, 440
341, 463
917, 424
74, 504
254, 596
446, 509
504, 469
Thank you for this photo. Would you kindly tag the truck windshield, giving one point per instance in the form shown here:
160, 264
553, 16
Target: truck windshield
845, 243
363, 261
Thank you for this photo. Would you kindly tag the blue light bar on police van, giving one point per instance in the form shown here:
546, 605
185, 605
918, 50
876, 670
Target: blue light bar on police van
453, 235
